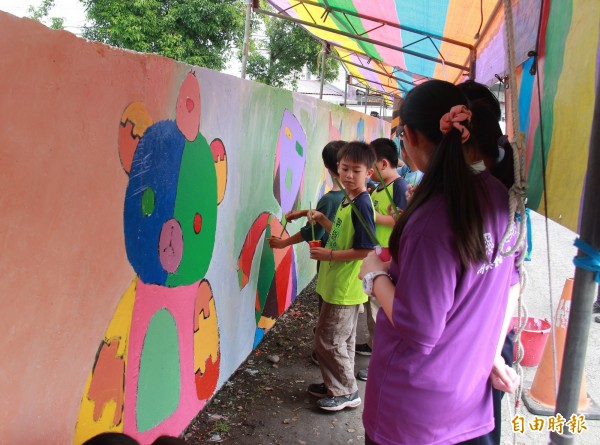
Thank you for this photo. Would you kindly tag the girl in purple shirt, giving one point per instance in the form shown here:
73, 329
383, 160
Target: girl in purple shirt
444, 300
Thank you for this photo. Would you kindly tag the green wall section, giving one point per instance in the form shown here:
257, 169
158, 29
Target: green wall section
158, 384
559, 23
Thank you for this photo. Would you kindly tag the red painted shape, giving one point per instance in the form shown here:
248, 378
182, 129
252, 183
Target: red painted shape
283, 280
189, 104
108, 380
218, 150
249, 247
188, 107
197, 223
206, 383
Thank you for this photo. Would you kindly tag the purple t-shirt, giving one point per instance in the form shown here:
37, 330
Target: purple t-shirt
429, 372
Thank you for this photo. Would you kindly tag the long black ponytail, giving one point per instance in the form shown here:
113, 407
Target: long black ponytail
448, 172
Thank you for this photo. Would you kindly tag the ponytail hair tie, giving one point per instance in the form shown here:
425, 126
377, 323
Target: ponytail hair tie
454, 119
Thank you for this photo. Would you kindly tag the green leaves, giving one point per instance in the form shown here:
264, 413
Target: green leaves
280, 57
199, 32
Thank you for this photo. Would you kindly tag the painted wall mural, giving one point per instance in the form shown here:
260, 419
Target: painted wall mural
168, 365
141, 226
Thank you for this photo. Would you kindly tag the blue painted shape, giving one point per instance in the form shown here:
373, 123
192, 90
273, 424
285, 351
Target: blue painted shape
156, 164
525, 94
258, 336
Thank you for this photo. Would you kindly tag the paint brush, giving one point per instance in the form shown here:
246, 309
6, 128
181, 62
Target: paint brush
360, 217
283, 229
387, 192
312, 223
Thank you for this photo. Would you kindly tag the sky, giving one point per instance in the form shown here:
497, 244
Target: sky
72, 11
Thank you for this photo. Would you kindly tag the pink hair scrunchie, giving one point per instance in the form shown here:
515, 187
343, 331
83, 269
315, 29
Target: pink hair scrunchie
454, 119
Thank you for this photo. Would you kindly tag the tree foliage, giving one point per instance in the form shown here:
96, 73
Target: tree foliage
43, 11
199, 32
287, 49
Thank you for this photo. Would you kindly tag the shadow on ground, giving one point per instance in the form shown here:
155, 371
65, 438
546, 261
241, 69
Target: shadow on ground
265, 401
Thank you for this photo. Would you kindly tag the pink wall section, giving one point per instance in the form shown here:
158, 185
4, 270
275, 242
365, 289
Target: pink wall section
51, 78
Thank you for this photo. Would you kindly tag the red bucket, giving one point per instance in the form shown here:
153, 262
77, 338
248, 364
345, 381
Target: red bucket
533, 338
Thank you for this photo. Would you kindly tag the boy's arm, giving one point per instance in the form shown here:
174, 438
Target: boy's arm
321, 219
323, 254
280, 243
384, 220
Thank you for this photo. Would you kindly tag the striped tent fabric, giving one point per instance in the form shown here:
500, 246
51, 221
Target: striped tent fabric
393, 45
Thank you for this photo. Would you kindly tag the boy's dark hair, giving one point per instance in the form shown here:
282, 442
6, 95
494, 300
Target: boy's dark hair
168, 440
386, 149
358, 152
330, 155
447, 173
111, 439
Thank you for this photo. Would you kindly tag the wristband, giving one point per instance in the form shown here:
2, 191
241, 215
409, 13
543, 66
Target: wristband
330, 254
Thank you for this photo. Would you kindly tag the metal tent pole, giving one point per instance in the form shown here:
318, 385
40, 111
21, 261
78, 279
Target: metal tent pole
584, 289
366, 98
323, 61
246, 37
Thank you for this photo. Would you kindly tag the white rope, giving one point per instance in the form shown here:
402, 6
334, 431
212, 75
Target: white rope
516, 194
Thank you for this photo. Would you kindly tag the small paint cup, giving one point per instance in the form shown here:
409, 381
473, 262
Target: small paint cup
315, 243
383, 253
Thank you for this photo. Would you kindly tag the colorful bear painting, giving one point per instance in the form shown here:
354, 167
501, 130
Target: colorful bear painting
159, 361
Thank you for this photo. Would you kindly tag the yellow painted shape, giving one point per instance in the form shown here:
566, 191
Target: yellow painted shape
266, 323
137, 114
573, 113
119, 327
221, 169
206, 339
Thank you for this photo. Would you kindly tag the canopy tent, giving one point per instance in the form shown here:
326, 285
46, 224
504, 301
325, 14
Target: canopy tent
391, 45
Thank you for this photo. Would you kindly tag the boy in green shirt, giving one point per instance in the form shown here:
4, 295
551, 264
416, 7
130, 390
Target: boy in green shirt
338, 284
387, 161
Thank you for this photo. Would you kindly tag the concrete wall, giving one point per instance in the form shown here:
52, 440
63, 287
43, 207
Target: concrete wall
135, 196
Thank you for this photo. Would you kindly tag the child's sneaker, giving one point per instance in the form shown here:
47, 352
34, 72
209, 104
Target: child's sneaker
363, 349
318, 390
338, 403
362, 374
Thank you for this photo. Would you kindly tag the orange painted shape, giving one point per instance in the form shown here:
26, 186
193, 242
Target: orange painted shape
203, 298
542, 388
188, 107
108, 381
134, 123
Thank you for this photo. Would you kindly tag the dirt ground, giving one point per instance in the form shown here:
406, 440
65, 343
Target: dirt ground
265, 402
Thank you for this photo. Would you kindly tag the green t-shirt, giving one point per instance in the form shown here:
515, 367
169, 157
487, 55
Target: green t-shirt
338, 281
381, 202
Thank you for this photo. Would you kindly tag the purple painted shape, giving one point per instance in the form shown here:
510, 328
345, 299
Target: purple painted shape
170, 245
290, 161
